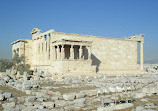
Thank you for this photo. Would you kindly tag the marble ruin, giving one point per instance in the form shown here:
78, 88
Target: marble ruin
65, 53
94, 60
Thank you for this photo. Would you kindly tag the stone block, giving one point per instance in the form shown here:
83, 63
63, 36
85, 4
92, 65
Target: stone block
8, 105
40, 107
7, 78
60, 103
28, 104
28, 92
14, 99
100, 91
48, 104
20, 106
13, 72
2, 82
139, 95
42, 99
80, 95
90, 92
58, 109
30, 98
139, 108
2, 97
20, 99
56, 97
116, 107
79, 102
119, 89
2, 74
69, 108
112, 89
7, 95
8, 71
69, 96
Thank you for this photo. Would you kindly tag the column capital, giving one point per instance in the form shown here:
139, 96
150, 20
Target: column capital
62, 46
81, 46
72, 46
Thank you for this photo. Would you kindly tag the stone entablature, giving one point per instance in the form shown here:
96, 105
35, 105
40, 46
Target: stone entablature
20, 40
138, 38
57, 52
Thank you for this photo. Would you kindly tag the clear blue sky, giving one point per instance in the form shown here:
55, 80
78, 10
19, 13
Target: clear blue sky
108, 18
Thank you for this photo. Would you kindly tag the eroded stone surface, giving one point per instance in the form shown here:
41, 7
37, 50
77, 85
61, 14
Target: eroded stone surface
81, 93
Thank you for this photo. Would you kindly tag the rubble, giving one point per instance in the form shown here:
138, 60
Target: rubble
99, 92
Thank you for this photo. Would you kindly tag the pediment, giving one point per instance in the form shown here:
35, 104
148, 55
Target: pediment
35, 30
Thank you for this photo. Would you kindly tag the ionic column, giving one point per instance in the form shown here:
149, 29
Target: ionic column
62, 52
48, 47
42, 46
40, 42
80, 52
54, 53
141, 56
89, 52
72, 52
58, 53
44, 49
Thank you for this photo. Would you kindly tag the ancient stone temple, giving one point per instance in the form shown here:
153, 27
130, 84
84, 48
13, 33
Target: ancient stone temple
66, 53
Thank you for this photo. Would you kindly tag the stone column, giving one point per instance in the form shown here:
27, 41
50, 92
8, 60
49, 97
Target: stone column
72, 52
54, 52
39, 50
80, 52
48, 48
62, 52
44, 49
141, 56
40, 42
89, 52
51, 50
58, 52
42, 46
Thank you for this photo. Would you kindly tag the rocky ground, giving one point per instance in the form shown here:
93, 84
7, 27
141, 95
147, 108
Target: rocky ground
84, 93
